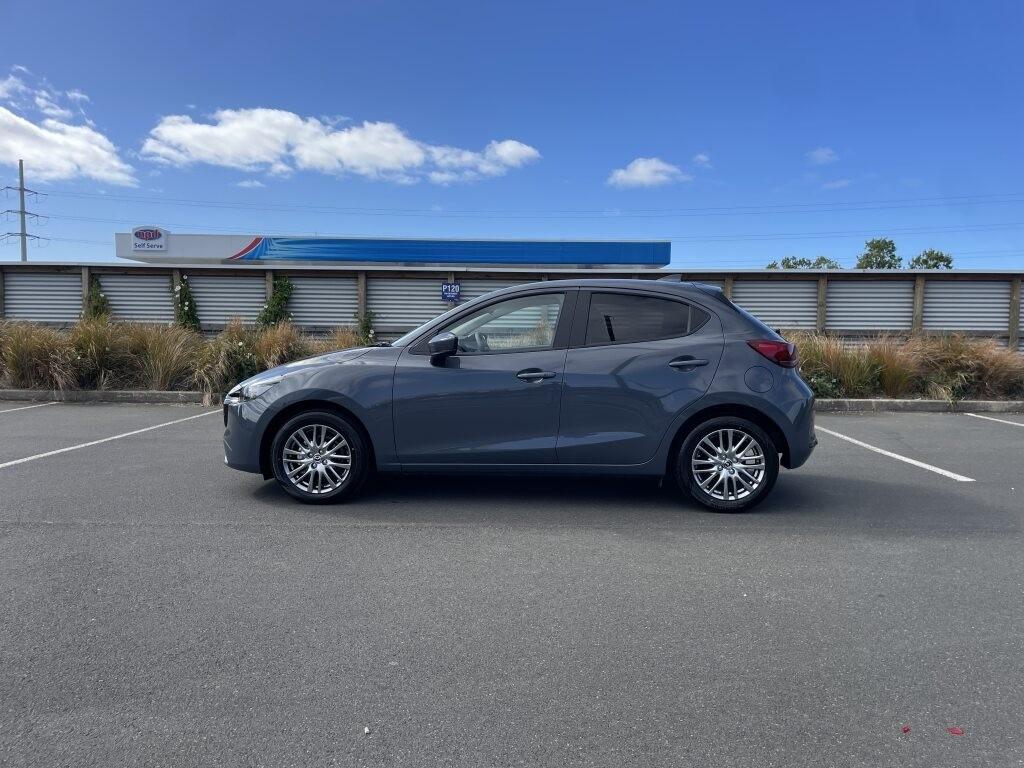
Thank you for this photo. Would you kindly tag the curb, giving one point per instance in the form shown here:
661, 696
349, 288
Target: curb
917, 406
111, 396
824, 405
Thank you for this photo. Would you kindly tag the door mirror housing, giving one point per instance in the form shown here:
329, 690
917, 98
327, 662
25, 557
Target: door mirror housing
442, 346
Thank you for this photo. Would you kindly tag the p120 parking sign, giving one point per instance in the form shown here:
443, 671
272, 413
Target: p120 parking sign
450, 292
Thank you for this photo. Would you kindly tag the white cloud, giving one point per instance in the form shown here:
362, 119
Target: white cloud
822, 156
45, 103
11, 86
278, 141
836, 184
702, 160
54, 150
647, 172
47, 128
464, 165
250, 184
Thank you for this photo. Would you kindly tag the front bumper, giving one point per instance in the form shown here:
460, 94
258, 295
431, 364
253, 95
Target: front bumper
242, 435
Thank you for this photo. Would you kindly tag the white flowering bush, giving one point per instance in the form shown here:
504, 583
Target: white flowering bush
186, 314
96, 302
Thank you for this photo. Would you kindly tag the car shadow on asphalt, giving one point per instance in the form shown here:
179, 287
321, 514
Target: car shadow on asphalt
814, 501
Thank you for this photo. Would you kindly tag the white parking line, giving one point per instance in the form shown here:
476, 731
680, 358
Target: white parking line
989, 418
26, 407
102, 440
891, 455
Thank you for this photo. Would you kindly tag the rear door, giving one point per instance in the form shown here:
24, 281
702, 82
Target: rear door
635, 360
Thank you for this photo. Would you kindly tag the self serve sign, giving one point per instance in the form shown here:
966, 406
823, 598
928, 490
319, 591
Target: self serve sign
149, 239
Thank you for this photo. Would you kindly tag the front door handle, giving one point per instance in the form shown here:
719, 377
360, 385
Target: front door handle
687, 363
535, 374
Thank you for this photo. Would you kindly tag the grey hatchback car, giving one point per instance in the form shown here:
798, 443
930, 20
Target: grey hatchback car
604, 377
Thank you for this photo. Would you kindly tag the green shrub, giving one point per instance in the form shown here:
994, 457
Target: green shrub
276, 310
340, 338
97, 353
96, 302
281, 343
898, 365
101, 358
364, 329
824, 385
958, 367
227, 359
35, 357
834, 369
947, 367
162, 357
186, 314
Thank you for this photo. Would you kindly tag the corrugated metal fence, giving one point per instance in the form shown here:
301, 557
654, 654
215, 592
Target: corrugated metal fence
847, 303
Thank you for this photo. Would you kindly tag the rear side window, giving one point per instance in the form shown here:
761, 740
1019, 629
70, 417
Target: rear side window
620, 318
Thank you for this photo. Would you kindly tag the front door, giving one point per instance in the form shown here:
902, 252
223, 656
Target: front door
636, 361
496, 400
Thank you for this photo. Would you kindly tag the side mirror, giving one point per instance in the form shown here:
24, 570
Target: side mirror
442, 346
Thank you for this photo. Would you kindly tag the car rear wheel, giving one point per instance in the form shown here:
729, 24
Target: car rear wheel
319, 457
728, 464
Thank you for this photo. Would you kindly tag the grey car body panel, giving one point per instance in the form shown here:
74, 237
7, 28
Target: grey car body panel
619, 399
473, 409
616, 407
359, 383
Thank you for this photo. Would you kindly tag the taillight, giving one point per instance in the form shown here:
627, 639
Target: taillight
779, 352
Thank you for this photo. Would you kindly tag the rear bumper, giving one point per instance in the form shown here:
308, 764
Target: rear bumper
801, 438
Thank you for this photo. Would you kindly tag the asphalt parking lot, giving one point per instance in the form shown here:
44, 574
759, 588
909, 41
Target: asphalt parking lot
159, 609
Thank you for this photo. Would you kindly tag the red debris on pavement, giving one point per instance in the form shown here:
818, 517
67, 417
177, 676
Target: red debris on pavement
905, 729
955, 731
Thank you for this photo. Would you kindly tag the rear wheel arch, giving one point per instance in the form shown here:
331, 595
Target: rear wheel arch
759, 418
303, 406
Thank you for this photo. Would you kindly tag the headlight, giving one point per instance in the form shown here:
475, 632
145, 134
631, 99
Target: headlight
253, 390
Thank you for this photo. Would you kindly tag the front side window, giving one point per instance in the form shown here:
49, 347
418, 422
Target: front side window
619, 318
514, 325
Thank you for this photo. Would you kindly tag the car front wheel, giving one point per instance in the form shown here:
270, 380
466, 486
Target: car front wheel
728, 464
319, 457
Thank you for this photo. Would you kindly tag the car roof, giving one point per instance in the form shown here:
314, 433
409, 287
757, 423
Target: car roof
670, 286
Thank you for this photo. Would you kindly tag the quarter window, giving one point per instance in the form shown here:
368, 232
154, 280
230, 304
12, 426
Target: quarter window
620, 318
514, 325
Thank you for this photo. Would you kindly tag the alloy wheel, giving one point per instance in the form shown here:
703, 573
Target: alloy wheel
317, 459
728, 464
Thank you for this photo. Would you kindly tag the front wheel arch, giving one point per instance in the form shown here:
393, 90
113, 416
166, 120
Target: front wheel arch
302, 406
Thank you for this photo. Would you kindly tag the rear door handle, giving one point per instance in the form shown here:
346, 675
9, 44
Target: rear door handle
687, 363
534, 374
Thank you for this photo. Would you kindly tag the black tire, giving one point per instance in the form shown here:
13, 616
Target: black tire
742, 466
358, 453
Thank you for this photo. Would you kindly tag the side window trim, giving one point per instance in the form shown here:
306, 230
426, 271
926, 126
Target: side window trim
581, 319
561, 338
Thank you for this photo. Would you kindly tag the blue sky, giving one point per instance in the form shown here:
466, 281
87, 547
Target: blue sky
741, 131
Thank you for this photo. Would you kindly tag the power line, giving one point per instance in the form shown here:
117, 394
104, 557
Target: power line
714, 238
79, 241
1007, 198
